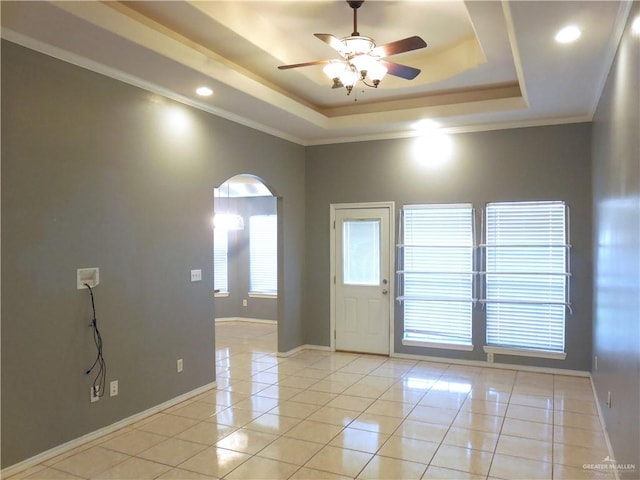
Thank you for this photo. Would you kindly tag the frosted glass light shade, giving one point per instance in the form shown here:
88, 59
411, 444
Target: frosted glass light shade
349, 77
376, 71
334, 69
363, 63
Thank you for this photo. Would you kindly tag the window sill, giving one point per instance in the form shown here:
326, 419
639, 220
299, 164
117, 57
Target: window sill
523, 352
262, 295
446, 346
220, 294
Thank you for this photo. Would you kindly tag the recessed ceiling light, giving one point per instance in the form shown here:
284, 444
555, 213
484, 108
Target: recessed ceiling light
635, 27
204, 91
568, 34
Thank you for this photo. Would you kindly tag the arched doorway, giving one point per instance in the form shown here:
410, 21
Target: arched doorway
245, 249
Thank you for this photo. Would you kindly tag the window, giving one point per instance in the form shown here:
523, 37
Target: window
263, 254
438, 275
361, 252
220, 249
526, 275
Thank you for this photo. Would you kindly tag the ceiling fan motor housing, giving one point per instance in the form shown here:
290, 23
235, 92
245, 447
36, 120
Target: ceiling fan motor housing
357, 45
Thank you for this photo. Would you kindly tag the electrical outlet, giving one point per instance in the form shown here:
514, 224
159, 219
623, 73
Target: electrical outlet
244, 302
490, 357
180, 365
609, 399
196, 275
94, 395
113, 388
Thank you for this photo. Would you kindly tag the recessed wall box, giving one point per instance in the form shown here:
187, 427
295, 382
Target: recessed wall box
89, 276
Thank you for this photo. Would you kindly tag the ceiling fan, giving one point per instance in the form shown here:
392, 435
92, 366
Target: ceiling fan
361, 58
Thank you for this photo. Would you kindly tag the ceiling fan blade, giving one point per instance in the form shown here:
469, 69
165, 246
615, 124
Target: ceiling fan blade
402, 71
399, 46
305, 64
333, 41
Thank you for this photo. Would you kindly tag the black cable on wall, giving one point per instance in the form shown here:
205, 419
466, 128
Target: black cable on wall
99, 381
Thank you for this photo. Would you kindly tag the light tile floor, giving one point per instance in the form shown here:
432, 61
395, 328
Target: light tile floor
322, 415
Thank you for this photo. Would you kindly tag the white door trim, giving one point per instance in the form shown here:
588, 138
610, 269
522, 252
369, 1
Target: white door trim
392, 260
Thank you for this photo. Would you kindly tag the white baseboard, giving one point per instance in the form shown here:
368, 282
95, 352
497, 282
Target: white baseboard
91, 436
245, 319
603, 426
455, 361
304, 347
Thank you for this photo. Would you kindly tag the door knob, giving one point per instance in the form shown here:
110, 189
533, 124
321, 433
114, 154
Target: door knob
385, 291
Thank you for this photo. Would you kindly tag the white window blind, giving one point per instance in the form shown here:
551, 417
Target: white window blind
437, 275
220, 250
263, 254
526, 275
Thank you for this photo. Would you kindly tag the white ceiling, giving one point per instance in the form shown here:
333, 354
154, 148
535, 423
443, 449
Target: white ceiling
488, 65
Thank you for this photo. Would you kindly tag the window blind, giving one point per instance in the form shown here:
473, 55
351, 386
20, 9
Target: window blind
526, 275
263, 254
437, 273
220, 250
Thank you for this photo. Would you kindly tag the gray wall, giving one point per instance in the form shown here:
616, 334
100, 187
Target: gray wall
542, 163
98, 173
616, 189
239, 264
93, 175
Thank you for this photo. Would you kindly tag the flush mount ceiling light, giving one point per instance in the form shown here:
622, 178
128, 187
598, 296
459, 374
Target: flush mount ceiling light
568, 34
361, 59
204, 91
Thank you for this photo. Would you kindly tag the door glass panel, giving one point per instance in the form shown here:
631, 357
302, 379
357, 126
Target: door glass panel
361, 254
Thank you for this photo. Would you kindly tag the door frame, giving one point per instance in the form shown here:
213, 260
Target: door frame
392, 260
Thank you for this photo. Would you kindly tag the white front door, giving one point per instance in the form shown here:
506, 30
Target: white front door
363, 298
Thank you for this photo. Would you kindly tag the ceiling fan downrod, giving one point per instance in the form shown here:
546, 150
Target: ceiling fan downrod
355, 4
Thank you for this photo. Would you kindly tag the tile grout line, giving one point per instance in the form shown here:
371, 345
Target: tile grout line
450, 424
495, 449
394, 378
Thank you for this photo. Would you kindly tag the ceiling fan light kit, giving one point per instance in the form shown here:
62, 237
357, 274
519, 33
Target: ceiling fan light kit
361, 59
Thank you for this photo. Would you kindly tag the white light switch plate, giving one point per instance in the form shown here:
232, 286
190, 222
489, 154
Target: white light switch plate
196, 275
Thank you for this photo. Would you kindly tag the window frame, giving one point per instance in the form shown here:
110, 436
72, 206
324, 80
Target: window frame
468, 286
257, 292
222, 292
538, 282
